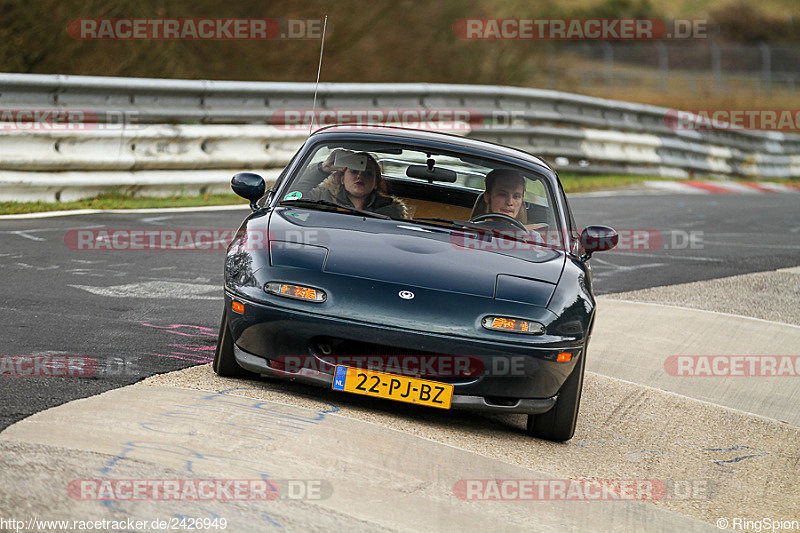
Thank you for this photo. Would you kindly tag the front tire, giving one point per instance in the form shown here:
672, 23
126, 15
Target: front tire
558, 424
225, 364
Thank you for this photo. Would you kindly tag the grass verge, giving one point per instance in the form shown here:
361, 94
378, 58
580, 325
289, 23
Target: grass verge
121, 201
573, 183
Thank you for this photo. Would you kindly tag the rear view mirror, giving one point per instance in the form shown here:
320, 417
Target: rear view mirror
598, 239
249, 186
435, 174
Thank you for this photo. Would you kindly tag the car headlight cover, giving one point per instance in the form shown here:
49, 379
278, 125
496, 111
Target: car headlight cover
512, 325
297, 292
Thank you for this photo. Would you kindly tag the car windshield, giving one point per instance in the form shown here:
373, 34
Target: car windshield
411, 183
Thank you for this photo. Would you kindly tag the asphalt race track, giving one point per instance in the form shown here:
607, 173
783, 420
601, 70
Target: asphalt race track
150, 312
145, 312
701, 236
135, 314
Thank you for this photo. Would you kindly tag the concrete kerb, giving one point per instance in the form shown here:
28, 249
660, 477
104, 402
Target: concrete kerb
630, 342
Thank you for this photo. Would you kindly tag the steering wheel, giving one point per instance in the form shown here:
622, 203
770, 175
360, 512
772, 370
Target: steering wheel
500, 216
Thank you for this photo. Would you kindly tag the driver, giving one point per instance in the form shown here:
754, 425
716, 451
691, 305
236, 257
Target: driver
504, 194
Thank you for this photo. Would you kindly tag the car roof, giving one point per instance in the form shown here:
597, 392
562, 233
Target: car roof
428, 137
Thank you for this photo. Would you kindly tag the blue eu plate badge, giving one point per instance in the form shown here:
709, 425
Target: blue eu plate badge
339, 377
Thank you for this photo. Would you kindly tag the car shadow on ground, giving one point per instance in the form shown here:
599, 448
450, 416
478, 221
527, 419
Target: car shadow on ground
420, 416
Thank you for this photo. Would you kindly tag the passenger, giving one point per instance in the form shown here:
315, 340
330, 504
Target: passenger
362, 189
314, 174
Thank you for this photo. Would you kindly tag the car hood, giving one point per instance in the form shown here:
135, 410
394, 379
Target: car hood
394, 251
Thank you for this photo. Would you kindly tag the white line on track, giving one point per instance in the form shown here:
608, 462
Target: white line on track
205, 244
746, 245
701, 311
24, 232
621, 268
659, 256
48, 214
604, 194
156, 289
154, 220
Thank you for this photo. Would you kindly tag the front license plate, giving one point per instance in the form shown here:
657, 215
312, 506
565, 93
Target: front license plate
393, 387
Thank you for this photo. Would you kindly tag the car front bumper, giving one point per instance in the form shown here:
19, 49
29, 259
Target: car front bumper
260, 365
265, 334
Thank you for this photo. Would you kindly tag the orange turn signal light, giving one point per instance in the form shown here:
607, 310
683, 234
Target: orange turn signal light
514, 325
238, 307
563, 357
297, 292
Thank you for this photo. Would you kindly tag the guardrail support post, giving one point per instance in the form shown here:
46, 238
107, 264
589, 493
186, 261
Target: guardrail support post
716, 67
663, 65
766, 66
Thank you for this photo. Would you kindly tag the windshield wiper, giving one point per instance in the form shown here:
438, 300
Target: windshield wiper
452, 222
325, 203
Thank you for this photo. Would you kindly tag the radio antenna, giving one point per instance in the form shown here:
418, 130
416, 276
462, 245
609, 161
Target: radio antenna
319, 69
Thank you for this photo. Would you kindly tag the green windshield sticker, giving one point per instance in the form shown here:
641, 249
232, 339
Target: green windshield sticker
292, 195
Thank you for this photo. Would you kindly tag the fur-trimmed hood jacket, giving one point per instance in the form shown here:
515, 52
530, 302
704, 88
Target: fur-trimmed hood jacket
332, 191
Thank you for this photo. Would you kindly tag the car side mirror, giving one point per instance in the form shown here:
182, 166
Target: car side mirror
598, 239
249, 186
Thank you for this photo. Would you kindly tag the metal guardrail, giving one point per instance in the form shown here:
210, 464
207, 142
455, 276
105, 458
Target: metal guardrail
576, 133
149, 147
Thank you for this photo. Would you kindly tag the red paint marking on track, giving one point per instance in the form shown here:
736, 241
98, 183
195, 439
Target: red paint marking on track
759, 187
708, 187
202, 331
193, 360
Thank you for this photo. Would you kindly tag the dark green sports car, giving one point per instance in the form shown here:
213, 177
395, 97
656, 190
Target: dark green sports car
418, 267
